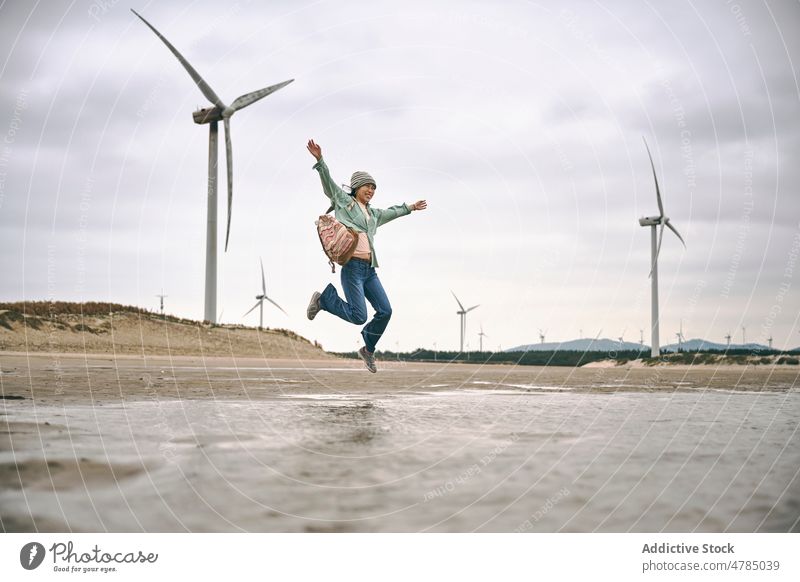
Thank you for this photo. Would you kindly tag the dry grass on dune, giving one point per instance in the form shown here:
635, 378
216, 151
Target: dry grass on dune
44, 326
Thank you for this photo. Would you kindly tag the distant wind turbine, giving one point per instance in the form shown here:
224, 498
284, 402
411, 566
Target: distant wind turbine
161, 297
481, 335
655, 248
212, 115
680, 337
541, 336
621, 338
463, 313
260, 300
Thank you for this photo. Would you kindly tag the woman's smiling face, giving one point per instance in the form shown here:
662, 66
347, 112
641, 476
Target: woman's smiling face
365, 193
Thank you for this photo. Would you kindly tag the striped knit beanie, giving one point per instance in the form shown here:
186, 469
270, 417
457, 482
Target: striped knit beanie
359, 179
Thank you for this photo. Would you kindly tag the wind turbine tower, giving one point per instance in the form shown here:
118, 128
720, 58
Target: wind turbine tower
463, 314
728, 338
654, 222
212, 115
481, 335
541, 336
161, 302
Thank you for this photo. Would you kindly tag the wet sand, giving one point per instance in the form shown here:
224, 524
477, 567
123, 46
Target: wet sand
98, 378
89, 442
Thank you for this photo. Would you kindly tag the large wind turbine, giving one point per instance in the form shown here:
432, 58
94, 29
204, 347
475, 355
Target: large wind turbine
655, 248
463, 313
212, 115
260, 300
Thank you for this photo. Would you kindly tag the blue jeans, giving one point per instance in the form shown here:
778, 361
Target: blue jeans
360, 282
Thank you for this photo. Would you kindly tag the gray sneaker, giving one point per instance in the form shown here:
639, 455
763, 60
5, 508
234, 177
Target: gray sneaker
369, 359
313, 305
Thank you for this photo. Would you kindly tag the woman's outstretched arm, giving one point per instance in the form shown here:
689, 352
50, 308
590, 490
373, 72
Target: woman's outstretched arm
389, 214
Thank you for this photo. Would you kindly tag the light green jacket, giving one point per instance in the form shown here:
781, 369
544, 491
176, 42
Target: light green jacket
348, 212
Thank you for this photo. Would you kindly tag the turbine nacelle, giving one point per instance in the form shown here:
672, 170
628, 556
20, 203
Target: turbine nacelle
650, 221
207, 115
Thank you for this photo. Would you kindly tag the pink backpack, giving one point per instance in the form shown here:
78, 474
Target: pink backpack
338, 241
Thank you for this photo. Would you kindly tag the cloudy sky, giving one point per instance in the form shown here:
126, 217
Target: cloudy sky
520, 122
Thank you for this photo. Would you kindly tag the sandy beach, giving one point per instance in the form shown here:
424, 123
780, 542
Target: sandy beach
69, 378
90, 442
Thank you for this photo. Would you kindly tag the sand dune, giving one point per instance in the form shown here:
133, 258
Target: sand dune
115, 329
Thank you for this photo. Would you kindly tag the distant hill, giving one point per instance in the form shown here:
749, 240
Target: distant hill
106, 328
580, 345
694, 345
611, 345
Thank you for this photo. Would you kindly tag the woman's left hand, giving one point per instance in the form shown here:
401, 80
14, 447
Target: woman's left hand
419, 205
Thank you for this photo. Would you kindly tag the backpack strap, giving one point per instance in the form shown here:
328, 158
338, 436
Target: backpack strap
330, 262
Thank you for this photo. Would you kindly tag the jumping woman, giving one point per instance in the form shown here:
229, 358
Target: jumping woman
359, 279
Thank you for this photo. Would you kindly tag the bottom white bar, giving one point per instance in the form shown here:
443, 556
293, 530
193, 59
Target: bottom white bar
399, 556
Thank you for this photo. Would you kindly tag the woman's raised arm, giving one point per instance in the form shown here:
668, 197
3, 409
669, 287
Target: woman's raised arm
315, 150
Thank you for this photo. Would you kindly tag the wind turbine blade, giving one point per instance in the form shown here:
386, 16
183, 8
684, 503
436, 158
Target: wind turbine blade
658, 192
229, 159
471, 308
276, 305
204, 87
457, 301
263, 280
658, 248
253, 307
673, 229
250, 98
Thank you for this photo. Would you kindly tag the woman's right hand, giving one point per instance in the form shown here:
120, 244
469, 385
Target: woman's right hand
315, 150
